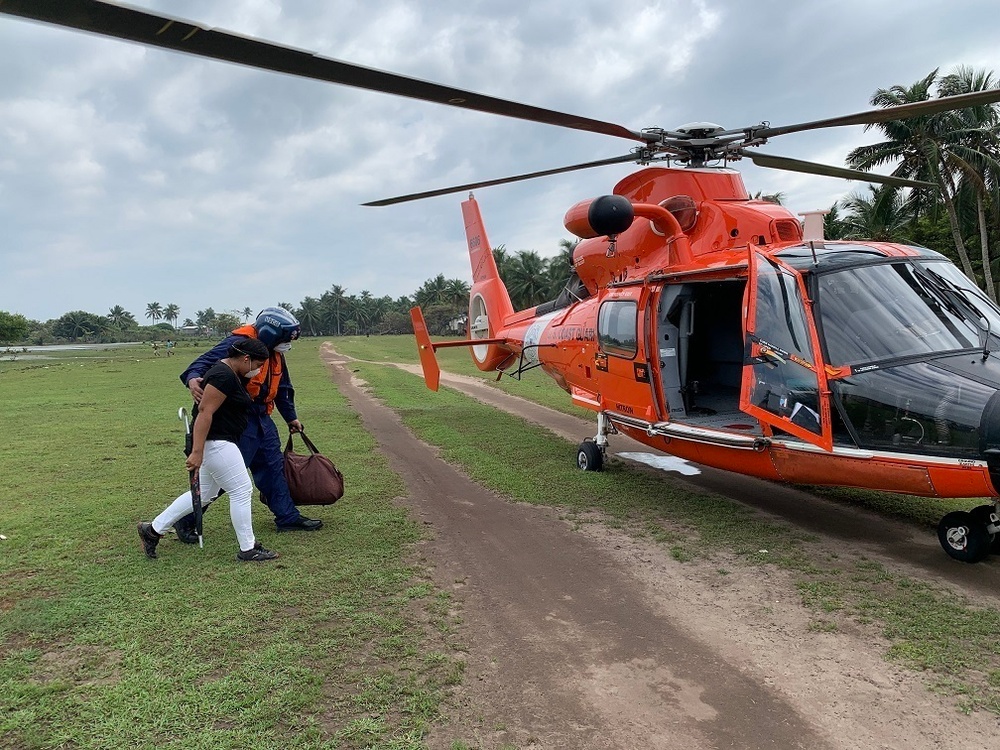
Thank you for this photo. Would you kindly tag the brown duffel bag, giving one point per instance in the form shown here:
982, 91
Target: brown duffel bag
312, 479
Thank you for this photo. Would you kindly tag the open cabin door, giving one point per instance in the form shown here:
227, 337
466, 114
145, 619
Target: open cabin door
783, 383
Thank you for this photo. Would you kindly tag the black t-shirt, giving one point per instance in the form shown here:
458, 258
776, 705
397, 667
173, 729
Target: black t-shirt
230, 419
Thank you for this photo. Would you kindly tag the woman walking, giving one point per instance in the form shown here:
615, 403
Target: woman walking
219, 420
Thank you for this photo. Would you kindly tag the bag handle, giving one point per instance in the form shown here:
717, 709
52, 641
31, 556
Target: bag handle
309, 443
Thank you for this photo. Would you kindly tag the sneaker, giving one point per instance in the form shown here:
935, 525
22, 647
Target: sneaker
303, 524
149, 539
257, 554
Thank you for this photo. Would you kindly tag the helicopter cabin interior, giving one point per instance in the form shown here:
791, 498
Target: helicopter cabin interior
699, 335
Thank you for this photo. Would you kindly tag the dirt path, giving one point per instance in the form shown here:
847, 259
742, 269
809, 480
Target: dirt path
589, 639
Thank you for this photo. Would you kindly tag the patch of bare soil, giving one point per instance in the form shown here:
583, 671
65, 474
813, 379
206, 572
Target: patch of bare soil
581, 636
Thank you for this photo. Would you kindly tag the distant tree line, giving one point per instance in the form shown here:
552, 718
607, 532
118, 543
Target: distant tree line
530, 279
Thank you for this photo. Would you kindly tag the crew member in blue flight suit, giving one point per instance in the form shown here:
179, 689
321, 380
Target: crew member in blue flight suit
260, 444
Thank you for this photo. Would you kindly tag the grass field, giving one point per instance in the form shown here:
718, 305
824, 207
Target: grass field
340, 643
344, 642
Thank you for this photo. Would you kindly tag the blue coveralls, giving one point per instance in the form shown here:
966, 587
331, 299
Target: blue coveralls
260, 444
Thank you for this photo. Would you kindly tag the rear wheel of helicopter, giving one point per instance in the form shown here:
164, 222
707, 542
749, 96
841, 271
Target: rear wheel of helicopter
589, 457
984, 514
964, 537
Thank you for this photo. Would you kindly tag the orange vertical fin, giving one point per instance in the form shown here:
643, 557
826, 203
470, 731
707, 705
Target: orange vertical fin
428, 360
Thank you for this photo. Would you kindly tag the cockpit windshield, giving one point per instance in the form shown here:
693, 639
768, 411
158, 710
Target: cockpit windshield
896, 310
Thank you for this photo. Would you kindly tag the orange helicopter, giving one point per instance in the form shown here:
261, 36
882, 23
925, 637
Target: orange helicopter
701, 322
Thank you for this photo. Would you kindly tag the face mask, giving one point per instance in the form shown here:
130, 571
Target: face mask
282, 348
253, 373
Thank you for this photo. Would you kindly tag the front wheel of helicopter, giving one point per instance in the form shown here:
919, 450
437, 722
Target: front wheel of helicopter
589, 457
964, 537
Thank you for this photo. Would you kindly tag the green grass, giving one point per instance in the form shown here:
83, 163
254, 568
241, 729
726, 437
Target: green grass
101, 648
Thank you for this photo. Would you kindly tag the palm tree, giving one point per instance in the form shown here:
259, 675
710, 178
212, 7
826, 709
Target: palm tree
380, 307
456, 292
503, 261
120, 318
939, 148
351, 310
528, 281
834, 227
246, 312
171, 313
154, 311
79, 323
310, 315
559, 268
334, 308
882, 216
432, 292
363, 311
205, 319
981, 172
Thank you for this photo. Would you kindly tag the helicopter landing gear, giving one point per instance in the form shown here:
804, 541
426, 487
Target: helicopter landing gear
989, 516
967, 536
590, 454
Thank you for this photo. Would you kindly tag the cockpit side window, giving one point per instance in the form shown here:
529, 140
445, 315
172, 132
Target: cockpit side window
617, 330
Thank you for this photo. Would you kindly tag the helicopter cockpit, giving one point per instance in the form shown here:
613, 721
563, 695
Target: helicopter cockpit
909, 341
846, 346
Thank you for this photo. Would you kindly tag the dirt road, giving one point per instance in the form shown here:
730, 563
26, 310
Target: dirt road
586, 638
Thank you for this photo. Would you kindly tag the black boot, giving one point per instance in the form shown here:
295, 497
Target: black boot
185, 529
149, 539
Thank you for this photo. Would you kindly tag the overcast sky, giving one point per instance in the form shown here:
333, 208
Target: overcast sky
130, 175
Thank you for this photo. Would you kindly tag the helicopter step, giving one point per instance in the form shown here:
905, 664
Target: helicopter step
970, 536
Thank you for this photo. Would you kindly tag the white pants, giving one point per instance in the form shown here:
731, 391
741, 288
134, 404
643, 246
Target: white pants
222, 469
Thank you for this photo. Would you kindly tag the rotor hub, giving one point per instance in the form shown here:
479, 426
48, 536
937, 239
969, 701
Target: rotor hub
700, 129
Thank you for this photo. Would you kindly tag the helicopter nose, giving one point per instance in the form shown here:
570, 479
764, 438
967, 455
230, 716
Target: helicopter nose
989, 439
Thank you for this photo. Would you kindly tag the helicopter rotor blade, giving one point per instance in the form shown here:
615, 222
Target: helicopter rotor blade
885, 114
809, 167
501, 181
137, 25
